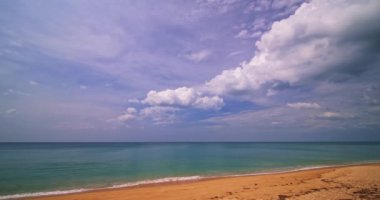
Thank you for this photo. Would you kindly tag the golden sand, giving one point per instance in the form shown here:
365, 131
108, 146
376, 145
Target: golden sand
343, 183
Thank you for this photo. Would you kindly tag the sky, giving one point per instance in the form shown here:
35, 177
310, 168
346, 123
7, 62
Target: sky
202, 70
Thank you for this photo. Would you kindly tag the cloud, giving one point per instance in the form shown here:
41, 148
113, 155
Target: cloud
183, 96
242, 34
245, 34
303, 47
304, 105
258, 6
206, 102
199, 56
129, 115
159, 114
228, 81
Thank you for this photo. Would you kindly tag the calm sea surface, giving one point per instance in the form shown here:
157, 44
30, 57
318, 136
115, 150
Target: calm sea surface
43, 167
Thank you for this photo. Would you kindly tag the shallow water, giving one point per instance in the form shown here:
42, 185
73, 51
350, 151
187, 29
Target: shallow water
43, 167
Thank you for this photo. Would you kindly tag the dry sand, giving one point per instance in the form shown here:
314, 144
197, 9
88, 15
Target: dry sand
343, 183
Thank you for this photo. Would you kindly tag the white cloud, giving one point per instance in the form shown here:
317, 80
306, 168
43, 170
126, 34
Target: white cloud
304, 105
214, 102
230, 80
199, 56
183, 96
302, 46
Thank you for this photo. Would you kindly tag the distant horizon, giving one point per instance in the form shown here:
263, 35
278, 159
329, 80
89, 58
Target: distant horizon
321, 141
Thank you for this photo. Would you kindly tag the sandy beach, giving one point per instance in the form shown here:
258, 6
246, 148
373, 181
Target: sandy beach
346, 182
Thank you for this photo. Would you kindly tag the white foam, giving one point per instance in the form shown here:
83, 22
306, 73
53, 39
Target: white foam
35, 194
160, 180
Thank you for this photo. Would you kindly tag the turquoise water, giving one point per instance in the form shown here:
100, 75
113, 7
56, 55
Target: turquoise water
43, 167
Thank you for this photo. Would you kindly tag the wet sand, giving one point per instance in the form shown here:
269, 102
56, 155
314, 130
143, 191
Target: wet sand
343, 183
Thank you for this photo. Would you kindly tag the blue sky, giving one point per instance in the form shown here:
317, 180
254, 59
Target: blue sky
205, 70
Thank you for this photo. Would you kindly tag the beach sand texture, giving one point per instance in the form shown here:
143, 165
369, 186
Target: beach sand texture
343, 183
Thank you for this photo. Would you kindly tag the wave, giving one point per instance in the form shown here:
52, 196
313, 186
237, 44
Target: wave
36, 194
160, 180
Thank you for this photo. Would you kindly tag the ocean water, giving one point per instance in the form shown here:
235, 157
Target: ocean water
40, 168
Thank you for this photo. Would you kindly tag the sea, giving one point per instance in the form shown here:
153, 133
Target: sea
35, 169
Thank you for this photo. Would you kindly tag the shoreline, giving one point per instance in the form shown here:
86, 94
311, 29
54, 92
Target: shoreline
167, 181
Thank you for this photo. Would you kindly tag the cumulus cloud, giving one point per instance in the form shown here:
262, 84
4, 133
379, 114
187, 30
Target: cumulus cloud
183, 96
199, 56
306, 45
304, 105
